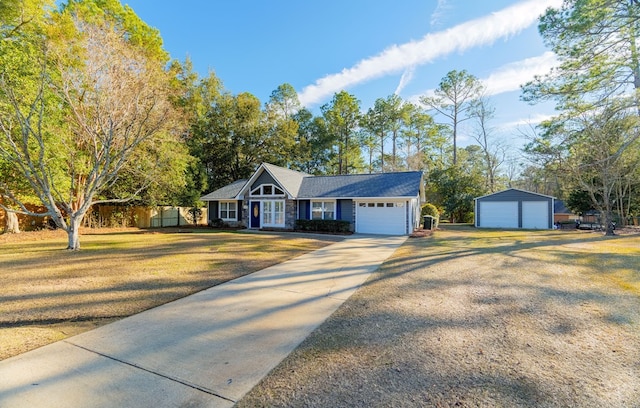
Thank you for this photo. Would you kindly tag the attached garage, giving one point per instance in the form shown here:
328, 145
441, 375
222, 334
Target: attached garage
381, 217
514, 208
279, 198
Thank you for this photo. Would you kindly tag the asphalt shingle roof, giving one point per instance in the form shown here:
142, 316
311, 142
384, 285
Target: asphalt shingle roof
290, 180
405, 184
560, 208
227, 192
303, 185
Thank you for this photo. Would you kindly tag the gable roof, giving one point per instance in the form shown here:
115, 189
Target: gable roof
514, 189
401, 184
228, 192
302, 185
290, 180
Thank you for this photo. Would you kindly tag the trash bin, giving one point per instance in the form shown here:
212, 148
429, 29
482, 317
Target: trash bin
428, 222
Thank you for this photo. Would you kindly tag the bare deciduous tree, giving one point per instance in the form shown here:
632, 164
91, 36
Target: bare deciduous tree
114, 101
492, 149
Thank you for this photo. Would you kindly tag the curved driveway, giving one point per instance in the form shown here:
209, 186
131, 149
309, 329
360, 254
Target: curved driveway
205, 350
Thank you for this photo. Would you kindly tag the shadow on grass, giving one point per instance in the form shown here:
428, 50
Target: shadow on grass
122, 273
394, 343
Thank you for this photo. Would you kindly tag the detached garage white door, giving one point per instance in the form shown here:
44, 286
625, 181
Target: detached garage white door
535, 214
381, 217
498, 214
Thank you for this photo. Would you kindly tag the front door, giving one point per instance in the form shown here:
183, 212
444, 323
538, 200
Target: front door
255, 214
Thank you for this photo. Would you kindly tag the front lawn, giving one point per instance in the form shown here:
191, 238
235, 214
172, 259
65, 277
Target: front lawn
478, 318
49, 293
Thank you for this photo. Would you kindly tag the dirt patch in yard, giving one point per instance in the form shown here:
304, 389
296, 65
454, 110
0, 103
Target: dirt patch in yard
478, 318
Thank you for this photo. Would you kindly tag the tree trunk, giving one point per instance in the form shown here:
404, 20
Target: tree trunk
609, 229
382, 152
11, 223
608, 216
73, 232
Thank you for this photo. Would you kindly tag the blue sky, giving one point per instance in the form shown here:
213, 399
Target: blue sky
370, 49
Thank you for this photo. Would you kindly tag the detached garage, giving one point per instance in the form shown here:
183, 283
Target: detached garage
514, 208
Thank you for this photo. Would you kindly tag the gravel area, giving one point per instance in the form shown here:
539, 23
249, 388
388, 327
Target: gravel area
478, 318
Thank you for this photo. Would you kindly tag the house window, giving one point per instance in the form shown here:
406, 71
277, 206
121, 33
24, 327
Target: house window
273, 214
278, 212
267, 190
228, 210
323, 210
267, 212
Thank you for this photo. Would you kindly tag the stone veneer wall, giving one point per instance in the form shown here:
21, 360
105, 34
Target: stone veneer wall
352, 227
290, 213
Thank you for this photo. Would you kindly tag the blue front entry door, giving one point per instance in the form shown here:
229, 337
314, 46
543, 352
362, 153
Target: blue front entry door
254, 209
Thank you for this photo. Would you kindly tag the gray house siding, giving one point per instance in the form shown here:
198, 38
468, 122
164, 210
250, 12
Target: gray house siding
264, 178
514, 195
346, 210
304, 209
212, 211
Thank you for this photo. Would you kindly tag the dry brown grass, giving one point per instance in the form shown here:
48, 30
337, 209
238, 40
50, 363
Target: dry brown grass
49, 293
485, 318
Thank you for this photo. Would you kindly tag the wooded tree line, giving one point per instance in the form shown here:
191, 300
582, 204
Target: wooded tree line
588, 154
93, 110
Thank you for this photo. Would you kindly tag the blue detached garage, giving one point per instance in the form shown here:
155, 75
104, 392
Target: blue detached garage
514, 208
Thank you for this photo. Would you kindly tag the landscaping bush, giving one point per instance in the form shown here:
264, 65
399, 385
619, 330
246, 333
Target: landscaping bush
218, 223
430, 209
335, 226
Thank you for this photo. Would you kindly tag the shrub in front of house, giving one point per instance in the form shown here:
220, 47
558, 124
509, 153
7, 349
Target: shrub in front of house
335, 226
217, 223
432, 210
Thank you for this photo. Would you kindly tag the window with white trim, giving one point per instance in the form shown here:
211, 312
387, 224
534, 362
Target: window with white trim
273, 213
228, 210
267, 190
278, 212
323, 210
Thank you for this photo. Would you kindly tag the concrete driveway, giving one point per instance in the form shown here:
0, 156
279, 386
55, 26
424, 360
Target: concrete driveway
205, 350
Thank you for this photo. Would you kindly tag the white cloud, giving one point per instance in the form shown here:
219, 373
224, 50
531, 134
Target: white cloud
407, 76
531, 121
474, 33
509, 77
441, 8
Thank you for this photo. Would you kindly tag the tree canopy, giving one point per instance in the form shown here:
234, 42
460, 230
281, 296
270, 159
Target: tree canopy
88, 112
596, 44
596, 88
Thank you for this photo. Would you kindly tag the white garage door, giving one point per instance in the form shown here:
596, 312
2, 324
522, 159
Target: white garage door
498, 214
381, 217
535, 214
